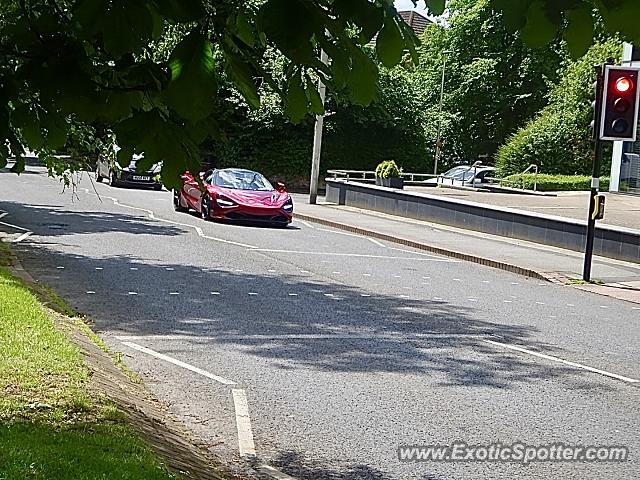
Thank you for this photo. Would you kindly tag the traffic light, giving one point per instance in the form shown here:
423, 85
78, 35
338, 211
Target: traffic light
619, 120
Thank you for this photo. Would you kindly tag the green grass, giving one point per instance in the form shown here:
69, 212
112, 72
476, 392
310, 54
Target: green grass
50, 426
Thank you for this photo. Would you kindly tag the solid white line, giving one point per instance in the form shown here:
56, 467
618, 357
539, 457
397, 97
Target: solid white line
3, 214
22, 237
179, 363
273, 250
560, 360
243, 422
14, 226
380, 244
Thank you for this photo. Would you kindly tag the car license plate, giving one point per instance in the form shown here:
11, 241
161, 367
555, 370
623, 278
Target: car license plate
141, 178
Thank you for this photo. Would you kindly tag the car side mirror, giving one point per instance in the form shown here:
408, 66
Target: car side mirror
280, 187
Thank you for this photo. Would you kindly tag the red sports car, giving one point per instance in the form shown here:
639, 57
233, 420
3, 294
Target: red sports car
235, 194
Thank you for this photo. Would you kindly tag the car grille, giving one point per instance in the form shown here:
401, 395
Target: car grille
256, 218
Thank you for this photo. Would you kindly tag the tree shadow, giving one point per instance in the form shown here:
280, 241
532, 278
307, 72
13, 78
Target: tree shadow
294, 321
57, 220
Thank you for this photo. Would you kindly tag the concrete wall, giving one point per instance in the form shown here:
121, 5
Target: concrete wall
612, 242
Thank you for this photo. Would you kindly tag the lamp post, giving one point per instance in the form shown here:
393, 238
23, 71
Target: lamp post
438, 139
317, 139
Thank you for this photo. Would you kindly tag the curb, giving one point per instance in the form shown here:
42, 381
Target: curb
431, 248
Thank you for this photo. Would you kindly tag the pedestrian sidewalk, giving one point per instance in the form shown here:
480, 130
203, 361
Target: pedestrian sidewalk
615, 278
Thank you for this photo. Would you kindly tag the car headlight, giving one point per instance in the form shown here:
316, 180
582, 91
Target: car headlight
225, 202
288, 205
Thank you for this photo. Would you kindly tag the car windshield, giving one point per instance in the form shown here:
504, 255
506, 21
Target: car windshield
458, 173
240, 180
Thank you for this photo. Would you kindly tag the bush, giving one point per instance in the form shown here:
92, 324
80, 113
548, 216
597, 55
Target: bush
554, 183
388, 169
558, 140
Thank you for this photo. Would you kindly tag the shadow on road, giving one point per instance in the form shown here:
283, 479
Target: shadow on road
56, 220
295, 321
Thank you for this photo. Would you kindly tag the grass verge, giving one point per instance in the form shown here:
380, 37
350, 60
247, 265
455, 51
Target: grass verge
51, 427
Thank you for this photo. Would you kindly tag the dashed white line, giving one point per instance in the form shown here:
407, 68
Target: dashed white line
243, 422
215, 293
60, 267
133, 268
560, 360
365, 295
179, 363
90, 292
22, 237
133, 293
293, 294
540, 303
174, 293
3, 214
253, 293
99, 268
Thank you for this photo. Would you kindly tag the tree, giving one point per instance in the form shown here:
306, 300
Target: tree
494, 82
93, 62
67, 63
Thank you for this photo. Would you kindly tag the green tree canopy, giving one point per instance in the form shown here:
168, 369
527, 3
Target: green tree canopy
71, 65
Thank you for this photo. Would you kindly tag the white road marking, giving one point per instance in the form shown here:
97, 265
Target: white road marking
396, 276
291, 252
22, 237
133, 268
169, 269
90, 292
133, 293
243, 422
253, 293
457, 280
3, 214
540, 303
174, 293
507, 301
277, 474
60, 268
304, 271
570, 305
635, 308
404, 296
515, 283
365, 295
293, 294
215, 293
306, 224
99, 268
427, 278
437, 298
380, 244
560, 360
366, 274
271, 271
603, 306
336, 273
179, 363
328, 294
14, 226
472, 299
486, 281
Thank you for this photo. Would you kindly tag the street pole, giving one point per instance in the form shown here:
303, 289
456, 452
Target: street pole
438, 140
595, 175
317, 139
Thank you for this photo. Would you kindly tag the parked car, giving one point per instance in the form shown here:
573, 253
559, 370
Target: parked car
464, 176
235, 194
129, 175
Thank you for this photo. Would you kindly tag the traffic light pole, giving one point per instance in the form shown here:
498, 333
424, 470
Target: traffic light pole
595, 175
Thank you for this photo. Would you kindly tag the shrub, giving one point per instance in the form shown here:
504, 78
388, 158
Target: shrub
558, 140
554, 183
388, 169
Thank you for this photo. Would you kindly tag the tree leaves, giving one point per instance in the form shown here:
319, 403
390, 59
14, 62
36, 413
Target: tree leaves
579, 31
538, 30
193, 85
436, 7
390, 43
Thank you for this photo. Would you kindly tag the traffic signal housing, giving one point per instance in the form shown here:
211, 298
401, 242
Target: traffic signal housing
620, 100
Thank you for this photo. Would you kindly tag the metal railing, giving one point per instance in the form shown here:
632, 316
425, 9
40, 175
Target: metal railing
522, 184
370, 176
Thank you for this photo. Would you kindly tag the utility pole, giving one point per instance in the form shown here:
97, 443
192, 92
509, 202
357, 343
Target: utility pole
317, 139
438, 139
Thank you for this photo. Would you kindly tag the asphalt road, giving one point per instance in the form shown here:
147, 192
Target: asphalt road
345, 347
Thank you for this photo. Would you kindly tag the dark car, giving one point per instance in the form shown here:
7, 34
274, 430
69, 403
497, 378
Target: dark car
235, 194
129, 175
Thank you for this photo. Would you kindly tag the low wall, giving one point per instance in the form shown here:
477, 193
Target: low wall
612, 242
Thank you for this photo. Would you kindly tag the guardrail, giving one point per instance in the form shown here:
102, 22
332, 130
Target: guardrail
515, 184
370, 176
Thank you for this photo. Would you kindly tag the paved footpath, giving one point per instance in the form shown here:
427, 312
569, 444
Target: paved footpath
619, 279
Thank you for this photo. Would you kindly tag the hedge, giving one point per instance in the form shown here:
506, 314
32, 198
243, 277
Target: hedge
554, 183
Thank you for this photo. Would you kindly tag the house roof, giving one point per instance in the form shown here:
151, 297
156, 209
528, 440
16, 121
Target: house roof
415, 20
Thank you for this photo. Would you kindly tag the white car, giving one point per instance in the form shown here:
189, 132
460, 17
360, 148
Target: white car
464, 176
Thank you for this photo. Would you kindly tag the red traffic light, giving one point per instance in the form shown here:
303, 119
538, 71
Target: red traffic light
624, 84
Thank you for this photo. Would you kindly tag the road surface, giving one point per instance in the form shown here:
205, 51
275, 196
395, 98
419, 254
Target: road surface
324, 352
